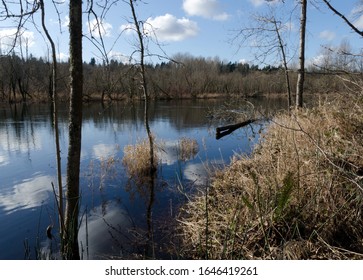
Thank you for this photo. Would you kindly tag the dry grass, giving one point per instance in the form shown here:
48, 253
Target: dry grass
187, 148
137, 159
298, 196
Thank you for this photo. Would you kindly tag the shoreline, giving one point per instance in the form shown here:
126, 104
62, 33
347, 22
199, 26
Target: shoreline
295, 197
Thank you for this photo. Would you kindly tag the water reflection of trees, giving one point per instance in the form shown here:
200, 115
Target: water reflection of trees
143, 181
180, 114
141, 163
18, 130
21, 120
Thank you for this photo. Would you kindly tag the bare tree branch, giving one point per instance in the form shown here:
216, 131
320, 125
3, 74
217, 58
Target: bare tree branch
351, 25
21, 16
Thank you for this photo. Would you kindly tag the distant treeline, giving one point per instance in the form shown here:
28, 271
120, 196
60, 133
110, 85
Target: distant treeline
183, 77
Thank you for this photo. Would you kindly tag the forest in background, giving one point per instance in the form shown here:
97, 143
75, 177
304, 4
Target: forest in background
185, 76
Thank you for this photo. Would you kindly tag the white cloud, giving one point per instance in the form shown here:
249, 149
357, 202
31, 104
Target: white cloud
357, 10
169, 28
65, 22
127, 28
243, 61
258, 3
290, 26
317, 60
63, 57
321, 60
327, 35
210, 9
359, 22
99, 28
120, 57
10, 38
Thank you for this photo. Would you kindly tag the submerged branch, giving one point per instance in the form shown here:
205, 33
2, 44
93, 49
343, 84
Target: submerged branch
228, 129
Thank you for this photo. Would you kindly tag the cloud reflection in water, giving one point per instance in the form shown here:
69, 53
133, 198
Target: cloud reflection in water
4, 160
28, 194
102, 151
107, 227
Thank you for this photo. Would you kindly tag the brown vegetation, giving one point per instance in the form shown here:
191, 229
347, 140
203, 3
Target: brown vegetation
136, 160
298, 196
187, 148
29, 79
136, 157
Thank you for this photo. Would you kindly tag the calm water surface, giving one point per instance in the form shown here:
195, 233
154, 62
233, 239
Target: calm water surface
119, 217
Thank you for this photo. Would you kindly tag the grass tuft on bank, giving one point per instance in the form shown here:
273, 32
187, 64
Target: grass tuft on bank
298, 196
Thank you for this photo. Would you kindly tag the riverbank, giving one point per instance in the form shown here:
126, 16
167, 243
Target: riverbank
298, 196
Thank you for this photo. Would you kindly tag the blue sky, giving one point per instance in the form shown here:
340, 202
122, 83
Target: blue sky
197, 27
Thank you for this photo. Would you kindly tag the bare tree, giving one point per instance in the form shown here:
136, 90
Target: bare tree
55, 120
96, 31
266, 34
150, 176
71, 249
348, 64
20, 12
301, 69
139, 30
284, 61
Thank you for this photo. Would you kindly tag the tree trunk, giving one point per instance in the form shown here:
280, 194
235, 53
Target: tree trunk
228, 129
144, 87
53, 94
286, 69
71, 250
301, 70
22, 90
152, 168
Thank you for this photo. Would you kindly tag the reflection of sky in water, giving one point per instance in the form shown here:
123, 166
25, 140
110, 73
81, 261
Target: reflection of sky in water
30, 193
27, 161
105, 232
10, 141
3, 159
196, 173
167, 151
103, 151
199, 172
193, 170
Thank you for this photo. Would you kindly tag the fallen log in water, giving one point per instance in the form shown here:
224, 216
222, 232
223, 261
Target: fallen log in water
228, 129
